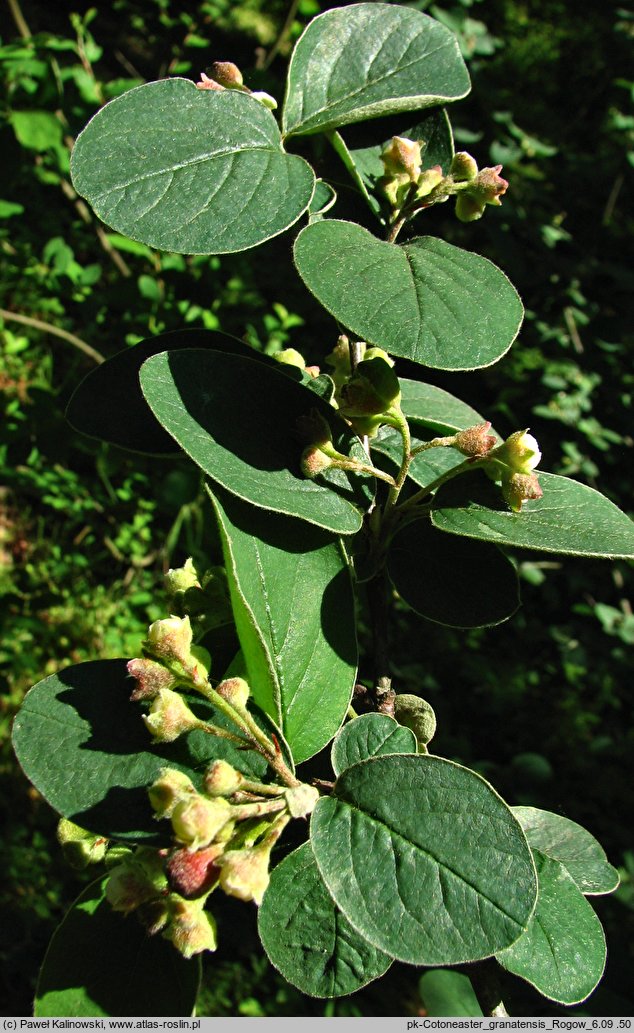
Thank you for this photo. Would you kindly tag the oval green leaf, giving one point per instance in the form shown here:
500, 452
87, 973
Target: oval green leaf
368, 60
562, 953
201, 172
427, 301
307, 937
452, 581
237, 419
571, 518
83, 745
130, 423
370, 735
437, 409
573, 846
424, 859
294, 609
445, 992
100, 963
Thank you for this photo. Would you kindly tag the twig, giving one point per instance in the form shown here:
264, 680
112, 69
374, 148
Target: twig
86, 217
284, 31
19, 19
56, 331
571, 326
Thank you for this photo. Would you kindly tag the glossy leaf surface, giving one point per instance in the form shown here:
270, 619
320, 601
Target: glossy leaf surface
194, 171
308, 938
562, 954
573, 846
84, 746
571, 518
100, 963
367, 60
108, 403
460, 583
237, 419
442, 844
427, 301
370, 735
294, 609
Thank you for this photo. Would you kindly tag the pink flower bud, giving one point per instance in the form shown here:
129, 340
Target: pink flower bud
402, 156
519, 487
169, 717
226, 73
221, 779
180, 579
245, 873
150, 677
314, 461
197, 821
464, 167
208, 84
236, 692
128, 887
190, 928
192, 873
429, 180
490, 185
170, 639
475, 441
168, 790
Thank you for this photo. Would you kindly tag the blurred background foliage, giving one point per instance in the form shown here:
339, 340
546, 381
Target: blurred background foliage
541, 705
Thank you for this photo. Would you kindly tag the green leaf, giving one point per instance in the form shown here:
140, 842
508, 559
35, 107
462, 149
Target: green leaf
37, 130
194, 171
237, 418
323, 199
437, 409
308, 938
573, 846
362, 155
426, 466
101, 963
562, 953
426, 301
424, 859
368, 60
131, 423
370, 735
294, 608
460, 583
571, 518
85, 748
447, 993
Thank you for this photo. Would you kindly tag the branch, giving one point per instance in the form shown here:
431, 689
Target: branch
56, 331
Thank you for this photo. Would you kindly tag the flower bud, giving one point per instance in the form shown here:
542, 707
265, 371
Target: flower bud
475, 441
520, 452
192, 873
373, 388
429, 180
402, 156
221, 779
206, 83
486, 188
170, 717
170, 639
314, 461
190, 928
395, 189
290, 357
463, 167
417, 714
301, 800
339, 359
227, 74
265, 99
518, 488
128, 887
150, 678
236, 692
80, 847
312, 429
197, 820
168, 790
180, 579
245, 873
154, 915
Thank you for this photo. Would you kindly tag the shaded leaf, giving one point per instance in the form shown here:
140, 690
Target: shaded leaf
573, 846
100, 963
451, 878
307, 937
571, 518
237, 420
323, 200
427, 301
370, 735
437, 409
367, 60
294, 608
85, 748
108, 404
448, 993
562, 953
194, 171
460, 583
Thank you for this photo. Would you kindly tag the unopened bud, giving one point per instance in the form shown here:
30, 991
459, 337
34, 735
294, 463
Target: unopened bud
312, 429
168, 790
236, 691
265, 99
339, 359
428, 181
170, 717
150, 676
80, 847
197, 821
227, 74
192, 873
290, 357
519, 487
301, 800
475, 441
170, 639
520, 452
190, 928
417, 714
314, 461
128, 887
205, 83
402, 156
372, 389
245, 873
180, 579
221, 779
463, 167
486, 188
